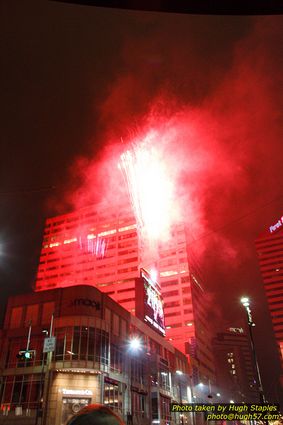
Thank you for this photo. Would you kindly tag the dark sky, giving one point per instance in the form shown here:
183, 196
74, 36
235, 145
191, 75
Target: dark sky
75, 78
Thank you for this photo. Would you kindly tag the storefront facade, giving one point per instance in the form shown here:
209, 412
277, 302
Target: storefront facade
92, 362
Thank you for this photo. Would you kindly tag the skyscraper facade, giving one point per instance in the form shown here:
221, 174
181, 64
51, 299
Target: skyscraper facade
269, 247
100, 246
235, 373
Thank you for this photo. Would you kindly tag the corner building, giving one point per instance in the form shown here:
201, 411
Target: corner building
100, 247
92, 361
269, 246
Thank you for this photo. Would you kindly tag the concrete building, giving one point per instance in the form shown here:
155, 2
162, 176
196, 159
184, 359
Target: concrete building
269, 246
101, 247
235, 374
93, 360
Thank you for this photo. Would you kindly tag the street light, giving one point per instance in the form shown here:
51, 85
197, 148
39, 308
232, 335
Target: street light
135, 344
180, 374
134, 349
246, 303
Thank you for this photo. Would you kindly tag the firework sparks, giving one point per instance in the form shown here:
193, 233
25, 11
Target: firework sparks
150, 188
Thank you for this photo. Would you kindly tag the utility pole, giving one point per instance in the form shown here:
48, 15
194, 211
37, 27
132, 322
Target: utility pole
47, 378
246, 303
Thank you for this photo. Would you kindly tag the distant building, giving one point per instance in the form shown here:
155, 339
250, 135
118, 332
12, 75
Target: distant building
269, 247
92, 361
100, 247
235, 374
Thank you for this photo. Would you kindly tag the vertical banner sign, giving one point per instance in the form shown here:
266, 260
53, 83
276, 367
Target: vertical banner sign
149, 302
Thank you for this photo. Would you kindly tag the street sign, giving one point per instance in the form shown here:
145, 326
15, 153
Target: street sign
49, 344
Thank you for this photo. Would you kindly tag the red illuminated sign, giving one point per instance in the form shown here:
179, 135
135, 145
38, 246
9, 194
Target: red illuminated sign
149, 302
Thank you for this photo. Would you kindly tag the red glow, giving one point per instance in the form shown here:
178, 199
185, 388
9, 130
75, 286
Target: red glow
151, 187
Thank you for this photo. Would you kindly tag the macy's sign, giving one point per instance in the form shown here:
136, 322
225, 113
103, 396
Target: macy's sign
86, 302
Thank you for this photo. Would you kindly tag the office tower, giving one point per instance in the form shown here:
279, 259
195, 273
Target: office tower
269, 247
100, 246
235, 374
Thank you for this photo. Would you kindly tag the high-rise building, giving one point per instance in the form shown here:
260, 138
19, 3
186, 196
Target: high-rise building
100, 246
235, 373
269, 247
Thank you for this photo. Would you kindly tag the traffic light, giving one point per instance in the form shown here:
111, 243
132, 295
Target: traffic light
25, 354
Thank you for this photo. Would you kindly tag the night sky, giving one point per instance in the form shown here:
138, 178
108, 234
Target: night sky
75, 80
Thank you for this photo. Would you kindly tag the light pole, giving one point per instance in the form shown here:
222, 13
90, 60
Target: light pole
246, 303
180, 373
186, 379
134, 349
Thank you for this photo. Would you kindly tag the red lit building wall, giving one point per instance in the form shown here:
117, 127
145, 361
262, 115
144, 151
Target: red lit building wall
269, 247
100, 247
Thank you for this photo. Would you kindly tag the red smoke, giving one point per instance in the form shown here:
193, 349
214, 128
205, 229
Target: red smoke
217, 110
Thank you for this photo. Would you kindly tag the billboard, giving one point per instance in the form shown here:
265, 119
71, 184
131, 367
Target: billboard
149, 302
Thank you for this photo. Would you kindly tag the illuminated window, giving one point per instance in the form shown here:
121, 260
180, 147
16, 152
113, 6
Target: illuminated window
107, 232
164, 379
168, 273
123, 229
113, 396
66, 241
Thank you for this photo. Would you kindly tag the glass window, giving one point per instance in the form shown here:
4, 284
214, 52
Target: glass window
104, 347
164, 379
123, 328
91, 343
84, 342
76, 343
31, 314
116, 359
107, 313
113, 396
138, 406
115, 318
165, 408
20, 389
47, 311
60, 344
154, 407
16, 317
